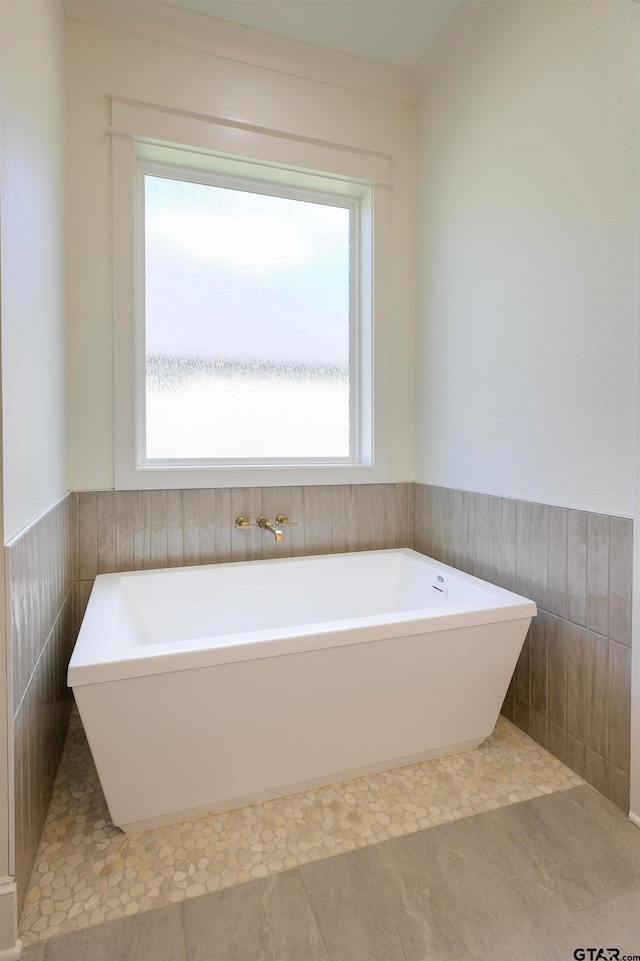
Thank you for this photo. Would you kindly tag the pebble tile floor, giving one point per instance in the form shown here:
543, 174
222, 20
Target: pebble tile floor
88, 872
550, 879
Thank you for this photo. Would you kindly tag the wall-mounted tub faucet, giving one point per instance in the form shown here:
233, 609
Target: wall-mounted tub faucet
242, 523
263, 523
283, 521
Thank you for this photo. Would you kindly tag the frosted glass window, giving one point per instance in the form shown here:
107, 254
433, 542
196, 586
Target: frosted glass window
247, 324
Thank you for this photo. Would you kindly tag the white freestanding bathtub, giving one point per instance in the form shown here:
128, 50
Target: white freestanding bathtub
204, 688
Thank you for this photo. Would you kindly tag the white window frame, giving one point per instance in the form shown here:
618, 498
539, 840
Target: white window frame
165, 154
359, 334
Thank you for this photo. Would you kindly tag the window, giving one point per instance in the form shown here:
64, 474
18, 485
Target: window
249, 328
246, 351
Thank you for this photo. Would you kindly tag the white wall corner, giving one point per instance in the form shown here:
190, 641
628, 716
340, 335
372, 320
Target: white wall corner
468, 19
10, 946
219, 38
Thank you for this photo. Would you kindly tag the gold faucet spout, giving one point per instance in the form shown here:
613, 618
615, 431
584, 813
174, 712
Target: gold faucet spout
263, 522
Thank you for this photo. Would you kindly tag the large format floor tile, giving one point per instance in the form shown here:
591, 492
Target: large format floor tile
88, 872
437, 895
157, 936
616, 921
577, 858
262, 921
488, 888
368, 907
608, 814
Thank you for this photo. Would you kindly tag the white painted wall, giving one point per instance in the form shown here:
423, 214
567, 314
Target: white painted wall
104, 61
528, 258
32, 310
33, 258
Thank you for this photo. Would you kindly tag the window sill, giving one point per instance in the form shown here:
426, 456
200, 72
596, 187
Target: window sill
163, 478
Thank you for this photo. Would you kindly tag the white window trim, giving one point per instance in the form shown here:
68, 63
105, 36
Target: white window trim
332, 169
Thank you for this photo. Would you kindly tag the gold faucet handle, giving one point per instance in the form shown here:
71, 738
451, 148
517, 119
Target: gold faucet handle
242, 523
283, 521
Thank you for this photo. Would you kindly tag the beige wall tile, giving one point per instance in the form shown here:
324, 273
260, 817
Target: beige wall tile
523, 548
389, 516
539, 728
310, 520
523, 716
142, 531
576, 645
325, 520
294, 509
434, 521
597, 693
576, 757
557, 660
87, 535
42, 600
420, 520
158, 523
175, 530
469, 504
509, 705
366, 540
557, 589
509, 525
577, 567
620, 579
557, 742
494, 558
540, 555
523, 671
619, 727
446, 507
595, 771
82, 592
618, 787
339, 519
539, 664
106, 532
482, 536
207, 509
351, 494
405, 494
598, 573
577, 528
191, 521
226, 535
74, 502
125, 502
458, 533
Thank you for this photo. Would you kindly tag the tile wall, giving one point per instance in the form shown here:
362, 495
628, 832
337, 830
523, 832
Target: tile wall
136, 530
572, 688
40, 588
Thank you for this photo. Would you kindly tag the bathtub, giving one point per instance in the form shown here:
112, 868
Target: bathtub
205, 688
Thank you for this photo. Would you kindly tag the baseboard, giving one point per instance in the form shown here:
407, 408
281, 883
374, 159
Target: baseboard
10, 946
634, 819
12, 954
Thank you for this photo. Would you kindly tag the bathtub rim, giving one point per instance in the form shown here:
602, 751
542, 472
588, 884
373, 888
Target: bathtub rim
86, 668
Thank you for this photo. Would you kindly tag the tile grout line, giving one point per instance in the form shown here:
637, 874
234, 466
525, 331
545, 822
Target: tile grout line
610, 897
602, 824
313, 913
44, 648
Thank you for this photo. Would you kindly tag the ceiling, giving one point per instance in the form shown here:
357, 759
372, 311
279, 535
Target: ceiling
392, 32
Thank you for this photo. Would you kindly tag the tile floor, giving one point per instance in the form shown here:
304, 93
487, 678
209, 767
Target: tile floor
531, 881
88, 872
